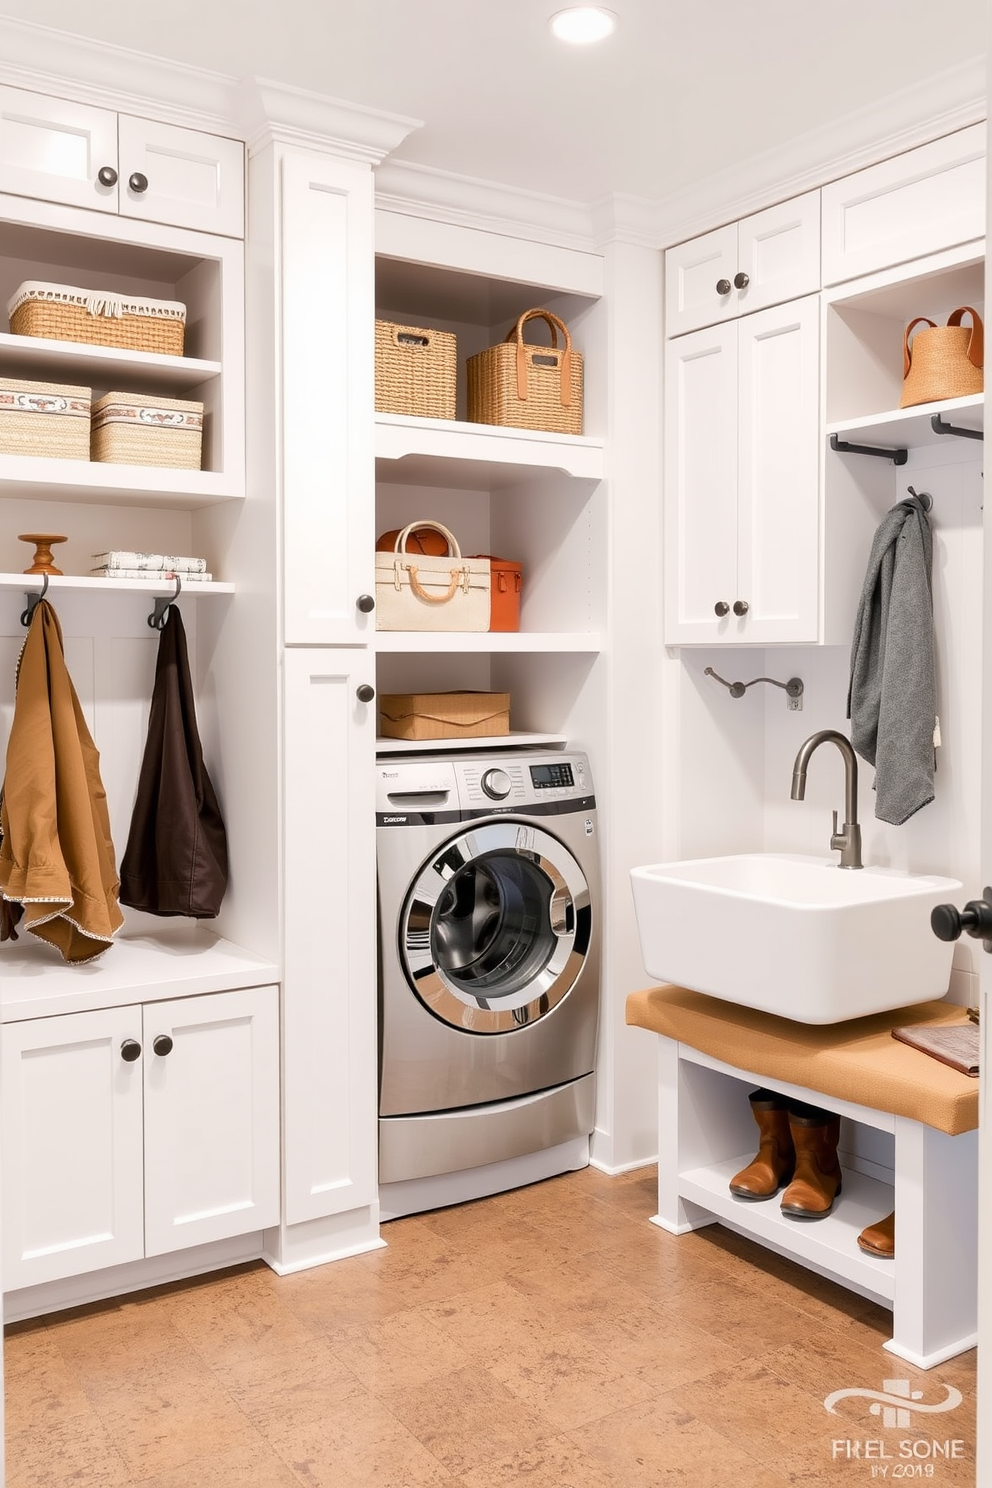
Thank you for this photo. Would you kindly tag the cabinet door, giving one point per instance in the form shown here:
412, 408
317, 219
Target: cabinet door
327, 338
779, 251
193, 180
778, 474
694, 272
917, 203
53, 150
329, 1019
72, 1188
211, 1073
700, 484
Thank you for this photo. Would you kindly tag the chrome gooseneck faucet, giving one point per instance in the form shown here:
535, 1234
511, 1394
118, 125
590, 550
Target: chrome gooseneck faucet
847, 841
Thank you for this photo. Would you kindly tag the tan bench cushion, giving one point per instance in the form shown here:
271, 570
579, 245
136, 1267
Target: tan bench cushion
857, 1061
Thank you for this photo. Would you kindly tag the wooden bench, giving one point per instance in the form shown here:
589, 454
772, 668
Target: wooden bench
909, 1142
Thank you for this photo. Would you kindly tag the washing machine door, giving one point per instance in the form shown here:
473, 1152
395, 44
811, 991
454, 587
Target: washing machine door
496, 927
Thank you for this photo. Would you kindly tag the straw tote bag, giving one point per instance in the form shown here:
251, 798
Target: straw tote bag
518, 385
418, 591
943, 361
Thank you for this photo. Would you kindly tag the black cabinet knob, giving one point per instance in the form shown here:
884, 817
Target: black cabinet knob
162, 1044
723, 286
130, 1050
740, 606
107, 176
721, 608
948, 922
365, 693
137, 182
366, 603
741, 280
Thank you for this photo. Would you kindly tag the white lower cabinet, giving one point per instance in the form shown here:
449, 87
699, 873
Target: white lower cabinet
742, 480
136, 1131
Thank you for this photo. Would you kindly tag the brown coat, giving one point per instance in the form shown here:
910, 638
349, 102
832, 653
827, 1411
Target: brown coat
56, 857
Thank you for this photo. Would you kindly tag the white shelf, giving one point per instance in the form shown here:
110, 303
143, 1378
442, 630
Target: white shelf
89, 481
494, 642
828, 1245
463, 456
512, 740
911, 428
42, 359
154, 584
187, 961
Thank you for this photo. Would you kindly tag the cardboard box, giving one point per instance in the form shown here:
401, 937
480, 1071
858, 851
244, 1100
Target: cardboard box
443, 715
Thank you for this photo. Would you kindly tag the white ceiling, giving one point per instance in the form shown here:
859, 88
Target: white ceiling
682, 92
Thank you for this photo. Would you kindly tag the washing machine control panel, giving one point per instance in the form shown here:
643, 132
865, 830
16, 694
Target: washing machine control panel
552, 777
496, 784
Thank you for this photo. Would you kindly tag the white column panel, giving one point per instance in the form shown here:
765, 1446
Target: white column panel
211, 1118
72, 1146
329, 1024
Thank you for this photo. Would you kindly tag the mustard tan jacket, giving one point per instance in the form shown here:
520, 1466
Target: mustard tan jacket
56, 857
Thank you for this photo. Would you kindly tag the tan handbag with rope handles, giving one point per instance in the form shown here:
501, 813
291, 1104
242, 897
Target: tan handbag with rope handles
522, 386
421, 591
943, 361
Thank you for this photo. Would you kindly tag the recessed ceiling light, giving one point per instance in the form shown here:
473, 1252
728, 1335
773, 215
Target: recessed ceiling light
583, 23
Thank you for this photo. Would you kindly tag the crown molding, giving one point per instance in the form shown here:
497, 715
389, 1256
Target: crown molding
269, 111
623, 218
44, 60
915, 115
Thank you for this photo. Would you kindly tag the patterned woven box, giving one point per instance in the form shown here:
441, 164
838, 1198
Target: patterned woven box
134, 429
44, 418
414, 370
61, 312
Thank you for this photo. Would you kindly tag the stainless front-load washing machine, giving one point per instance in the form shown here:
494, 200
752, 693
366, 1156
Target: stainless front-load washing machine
489, 934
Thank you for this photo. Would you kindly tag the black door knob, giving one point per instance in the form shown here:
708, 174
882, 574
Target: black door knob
137, 182
740, 606
107, 176
947, 922
366, 603
162, 1044
130, 1050
365, 693
723, 286
741, 280
721, 608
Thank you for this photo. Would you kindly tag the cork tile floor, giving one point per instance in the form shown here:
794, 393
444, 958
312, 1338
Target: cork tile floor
549, 1337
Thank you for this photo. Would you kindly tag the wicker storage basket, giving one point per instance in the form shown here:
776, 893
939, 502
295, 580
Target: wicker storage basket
132, 429
444, 715
943, 361
61, 312
44, 418
414, 370
528, 387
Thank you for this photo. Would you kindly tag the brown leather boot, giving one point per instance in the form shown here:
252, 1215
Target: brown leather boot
880, 1239
773, 1165
817, 1179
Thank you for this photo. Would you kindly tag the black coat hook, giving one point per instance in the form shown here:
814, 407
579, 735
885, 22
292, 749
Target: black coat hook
32, 600
157, 617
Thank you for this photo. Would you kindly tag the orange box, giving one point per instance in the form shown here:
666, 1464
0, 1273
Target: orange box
504, 595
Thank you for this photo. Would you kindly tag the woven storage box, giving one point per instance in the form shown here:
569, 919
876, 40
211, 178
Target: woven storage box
523, 386
414, 370
133, 429
61, 312
444, 715
44, 418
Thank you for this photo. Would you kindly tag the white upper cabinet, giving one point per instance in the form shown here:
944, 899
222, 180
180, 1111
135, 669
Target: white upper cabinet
904, 208
763, 260
57, 150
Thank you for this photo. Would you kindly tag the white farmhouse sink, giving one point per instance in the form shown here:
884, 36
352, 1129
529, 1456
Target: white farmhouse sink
794, 935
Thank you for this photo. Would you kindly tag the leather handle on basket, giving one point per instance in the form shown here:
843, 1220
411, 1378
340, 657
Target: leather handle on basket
907, 355
976, 346
458, 577
454, 551
564, 362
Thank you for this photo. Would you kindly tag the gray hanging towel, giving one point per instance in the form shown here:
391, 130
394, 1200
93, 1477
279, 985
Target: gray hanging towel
175, 862
891, 701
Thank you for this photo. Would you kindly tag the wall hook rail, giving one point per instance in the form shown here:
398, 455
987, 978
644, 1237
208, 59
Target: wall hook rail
32, 600
157, 617
843, 447
793, 688
940, 426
